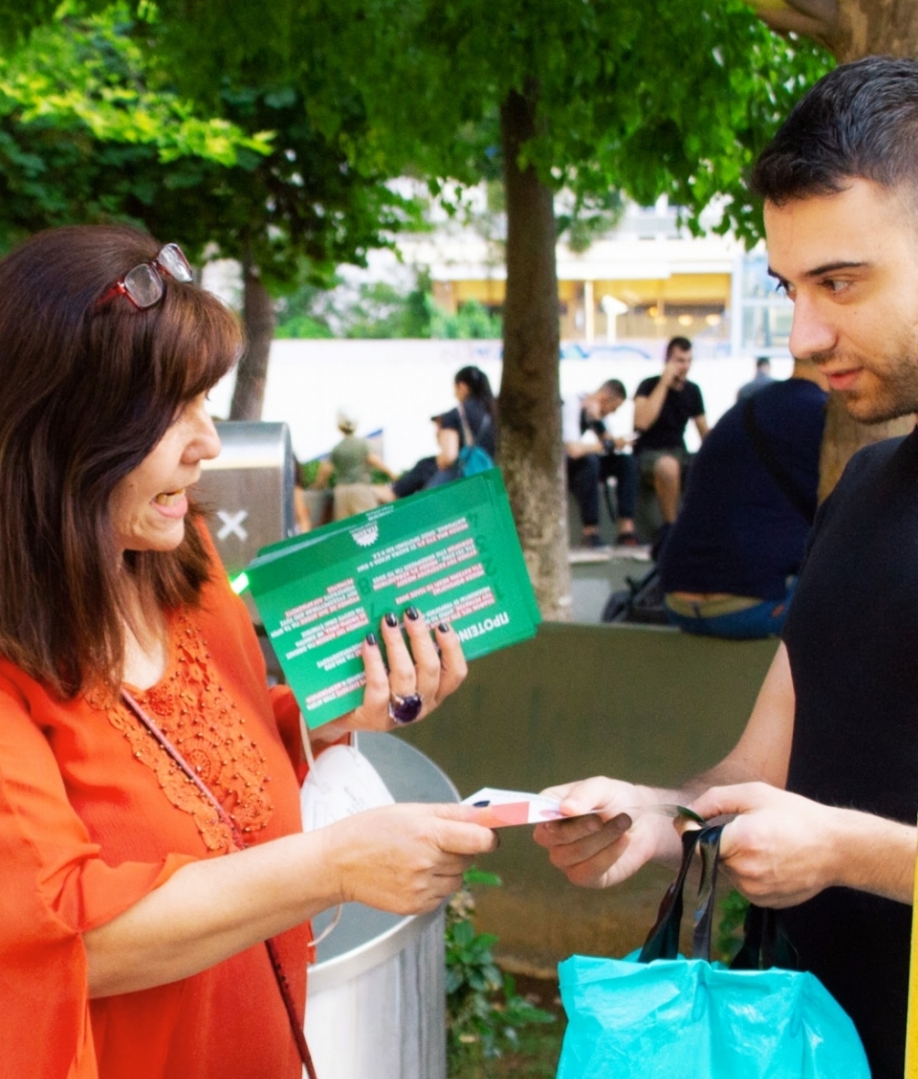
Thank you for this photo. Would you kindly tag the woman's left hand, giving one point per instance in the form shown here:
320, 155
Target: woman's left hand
420, 668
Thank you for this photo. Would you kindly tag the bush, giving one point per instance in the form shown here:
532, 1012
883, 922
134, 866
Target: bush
484, 1011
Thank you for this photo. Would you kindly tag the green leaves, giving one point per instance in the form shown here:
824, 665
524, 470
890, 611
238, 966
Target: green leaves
484, 1011
92, 74
673, 98
90, 131
93, 127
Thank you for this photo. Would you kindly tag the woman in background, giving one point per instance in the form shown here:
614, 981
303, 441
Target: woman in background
472, 422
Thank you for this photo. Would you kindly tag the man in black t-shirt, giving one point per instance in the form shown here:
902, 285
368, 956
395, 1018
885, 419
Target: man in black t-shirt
663, 405
822, 787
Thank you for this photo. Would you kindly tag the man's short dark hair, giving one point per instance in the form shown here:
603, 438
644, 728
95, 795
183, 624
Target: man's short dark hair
614, 388
858, 122
681, 343
762, 361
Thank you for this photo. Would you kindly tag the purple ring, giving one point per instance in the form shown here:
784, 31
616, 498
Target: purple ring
405, 709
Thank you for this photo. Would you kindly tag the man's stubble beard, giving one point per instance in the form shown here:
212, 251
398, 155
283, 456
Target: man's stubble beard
895, 392
893, 399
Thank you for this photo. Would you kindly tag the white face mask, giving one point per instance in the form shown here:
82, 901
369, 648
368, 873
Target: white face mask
340, 783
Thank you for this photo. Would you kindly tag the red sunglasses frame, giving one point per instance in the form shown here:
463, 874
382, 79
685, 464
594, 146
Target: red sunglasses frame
170, 261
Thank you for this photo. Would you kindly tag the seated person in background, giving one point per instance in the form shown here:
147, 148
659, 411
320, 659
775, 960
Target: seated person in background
663, 405
729, 564
762, 379
472, 422
592, 459
351, 461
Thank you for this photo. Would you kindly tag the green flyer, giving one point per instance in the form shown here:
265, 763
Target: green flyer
452, 552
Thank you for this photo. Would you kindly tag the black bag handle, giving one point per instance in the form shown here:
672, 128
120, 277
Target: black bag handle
663, 940
763, 946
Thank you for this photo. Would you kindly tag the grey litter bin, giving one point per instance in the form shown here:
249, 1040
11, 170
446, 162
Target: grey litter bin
249, 490
376, 1004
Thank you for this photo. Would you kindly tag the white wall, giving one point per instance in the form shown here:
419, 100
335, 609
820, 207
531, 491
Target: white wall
399, 385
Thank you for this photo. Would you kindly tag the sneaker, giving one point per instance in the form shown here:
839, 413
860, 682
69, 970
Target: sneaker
627, 539
591, 539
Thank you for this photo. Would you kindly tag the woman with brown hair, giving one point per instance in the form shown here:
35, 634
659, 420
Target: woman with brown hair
150, 833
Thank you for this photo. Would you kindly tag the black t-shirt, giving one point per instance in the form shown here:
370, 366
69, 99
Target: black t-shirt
852, 638
680, 406
737, 531
480, 424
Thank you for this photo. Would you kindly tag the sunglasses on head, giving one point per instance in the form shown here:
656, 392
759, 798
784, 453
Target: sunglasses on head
144, 285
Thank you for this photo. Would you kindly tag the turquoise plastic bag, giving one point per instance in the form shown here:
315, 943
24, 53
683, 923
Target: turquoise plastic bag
675, 1018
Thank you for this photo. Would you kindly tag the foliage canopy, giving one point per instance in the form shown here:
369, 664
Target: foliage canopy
672, 98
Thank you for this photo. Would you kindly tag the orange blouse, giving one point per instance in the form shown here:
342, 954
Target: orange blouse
94, 815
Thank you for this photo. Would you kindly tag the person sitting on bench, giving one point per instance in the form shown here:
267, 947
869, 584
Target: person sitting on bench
729, 564
663, 405
593, 457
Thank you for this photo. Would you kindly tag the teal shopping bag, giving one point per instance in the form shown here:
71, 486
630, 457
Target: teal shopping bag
655, 1015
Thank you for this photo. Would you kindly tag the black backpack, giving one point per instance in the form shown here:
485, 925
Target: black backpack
640, 602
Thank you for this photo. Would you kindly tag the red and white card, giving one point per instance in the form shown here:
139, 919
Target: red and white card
500, 808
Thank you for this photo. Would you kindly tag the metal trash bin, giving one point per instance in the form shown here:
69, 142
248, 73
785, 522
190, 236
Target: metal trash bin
376, 1002
249, 490
248, 493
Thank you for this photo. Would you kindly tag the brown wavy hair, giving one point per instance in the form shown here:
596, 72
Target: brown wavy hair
87, 392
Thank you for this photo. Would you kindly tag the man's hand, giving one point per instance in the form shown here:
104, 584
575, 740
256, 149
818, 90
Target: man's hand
672, 371
783, 849
608, 837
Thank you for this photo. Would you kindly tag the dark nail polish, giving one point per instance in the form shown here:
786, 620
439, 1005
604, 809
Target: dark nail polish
413, 613
371, 640
443, 627
391, 620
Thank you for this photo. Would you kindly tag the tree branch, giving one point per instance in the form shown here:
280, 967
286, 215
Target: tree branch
814, 18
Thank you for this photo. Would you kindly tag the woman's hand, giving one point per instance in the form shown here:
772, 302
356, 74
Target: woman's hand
419, 668
404, 858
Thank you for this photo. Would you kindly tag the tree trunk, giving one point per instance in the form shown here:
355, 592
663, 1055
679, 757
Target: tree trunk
871, 28
252, 372
530, 449
849, 29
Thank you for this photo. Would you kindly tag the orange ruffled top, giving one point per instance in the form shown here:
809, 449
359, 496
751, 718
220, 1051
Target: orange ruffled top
94, 815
